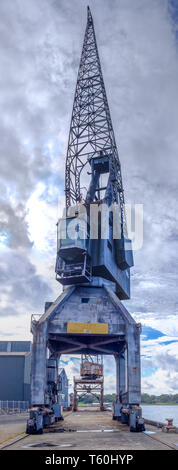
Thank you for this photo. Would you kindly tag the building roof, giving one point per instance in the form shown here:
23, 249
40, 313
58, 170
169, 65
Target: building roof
15, 346
23, 353
61, 370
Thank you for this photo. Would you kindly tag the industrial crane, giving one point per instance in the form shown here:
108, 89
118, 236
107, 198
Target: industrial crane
94, 257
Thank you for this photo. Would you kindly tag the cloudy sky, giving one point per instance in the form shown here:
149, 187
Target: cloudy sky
41, 43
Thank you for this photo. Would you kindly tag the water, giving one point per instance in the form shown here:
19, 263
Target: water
161, 412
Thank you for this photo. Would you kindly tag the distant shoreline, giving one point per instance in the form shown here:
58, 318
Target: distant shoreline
158, 404
142, 404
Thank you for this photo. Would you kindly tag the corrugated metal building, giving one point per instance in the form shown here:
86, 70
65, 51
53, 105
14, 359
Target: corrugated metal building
63, 387
15, 364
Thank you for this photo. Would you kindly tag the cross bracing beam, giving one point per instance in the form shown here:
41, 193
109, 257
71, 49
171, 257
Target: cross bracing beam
85, 344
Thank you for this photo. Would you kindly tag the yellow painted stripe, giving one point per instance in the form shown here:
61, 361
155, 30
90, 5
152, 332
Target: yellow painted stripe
93, 328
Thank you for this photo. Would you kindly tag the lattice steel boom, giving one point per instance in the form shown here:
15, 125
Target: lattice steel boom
91, 130
92, 151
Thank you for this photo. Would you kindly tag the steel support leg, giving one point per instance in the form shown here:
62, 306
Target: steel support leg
75, 398
120, 376
102, 398
120, 385
133, 365
38, 365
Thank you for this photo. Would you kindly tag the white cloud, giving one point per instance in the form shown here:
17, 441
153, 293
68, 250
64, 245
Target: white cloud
18, 327
41, 220
161, 382
168, 327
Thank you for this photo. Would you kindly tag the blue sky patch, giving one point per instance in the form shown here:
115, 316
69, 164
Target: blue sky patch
165, 343
151, 333
4, 238
149, 371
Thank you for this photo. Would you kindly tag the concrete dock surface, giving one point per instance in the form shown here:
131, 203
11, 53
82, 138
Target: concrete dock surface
11, 425
91, 429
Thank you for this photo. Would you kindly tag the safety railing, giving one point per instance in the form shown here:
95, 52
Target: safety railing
13, 406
